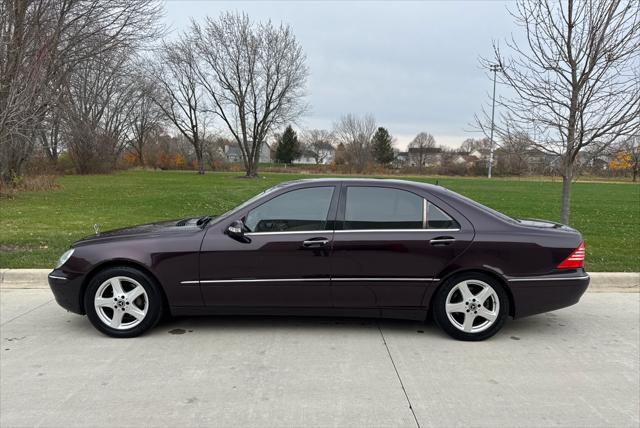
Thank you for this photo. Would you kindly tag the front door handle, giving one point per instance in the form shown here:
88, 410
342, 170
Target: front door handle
442, 240
315, 243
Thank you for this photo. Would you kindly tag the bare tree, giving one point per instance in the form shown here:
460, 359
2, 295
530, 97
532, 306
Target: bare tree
420, 148
468, 146
147, 116
41, 41
180, 96
632, 146
98, 104
214, 151
254, 75
50, 132
355, 133
513, 155
576, 78
319, 144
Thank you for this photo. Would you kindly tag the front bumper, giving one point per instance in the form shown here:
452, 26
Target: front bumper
67, 290
547, 293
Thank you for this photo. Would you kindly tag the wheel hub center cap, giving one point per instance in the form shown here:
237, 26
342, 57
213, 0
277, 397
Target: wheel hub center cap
472, 306
121, 303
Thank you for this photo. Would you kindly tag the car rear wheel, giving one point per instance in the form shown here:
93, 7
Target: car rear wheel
471, 307
123, 302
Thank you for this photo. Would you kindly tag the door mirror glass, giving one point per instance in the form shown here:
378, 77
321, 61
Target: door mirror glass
236, 229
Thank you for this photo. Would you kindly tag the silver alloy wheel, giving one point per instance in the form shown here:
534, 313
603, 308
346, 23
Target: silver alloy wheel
121, 302
472, 306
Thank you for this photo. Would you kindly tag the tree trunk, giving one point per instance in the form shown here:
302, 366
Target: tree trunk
252, 170
253, 161
200, 160
635, 175
565, 207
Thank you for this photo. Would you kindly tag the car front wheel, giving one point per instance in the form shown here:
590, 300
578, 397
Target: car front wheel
471, 307
123, 302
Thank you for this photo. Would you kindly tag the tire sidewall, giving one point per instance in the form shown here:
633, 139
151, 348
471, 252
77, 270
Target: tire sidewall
154, 312
440, 314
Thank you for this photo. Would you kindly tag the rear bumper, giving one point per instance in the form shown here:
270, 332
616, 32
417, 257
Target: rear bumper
67, 290
535, 295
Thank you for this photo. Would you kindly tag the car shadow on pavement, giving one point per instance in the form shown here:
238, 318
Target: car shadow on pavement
529, 327
339, 325
525, 327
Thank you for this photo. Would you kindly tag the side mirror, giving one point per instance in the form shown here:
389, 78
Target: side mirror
236, 230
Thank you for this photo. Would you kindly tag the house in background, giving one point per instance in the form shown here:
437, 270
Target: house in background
325, 156
232, 152
428, 156
462, 158
400, 159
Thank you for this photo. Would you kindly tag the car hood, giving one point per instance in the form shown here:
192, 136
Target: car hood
141, 231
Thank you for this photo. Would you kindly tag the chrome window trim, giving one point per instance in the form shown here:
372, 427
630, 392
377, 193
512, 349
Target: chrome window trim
288, 232
424, 213
573, 278
250, 280
314, 232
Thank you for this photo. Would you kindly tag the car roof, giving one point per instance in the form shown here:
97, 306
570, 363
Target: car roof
373, 181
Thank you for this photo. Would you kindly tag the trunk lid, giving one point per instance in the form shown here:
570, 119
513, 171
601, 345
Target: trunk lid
544, 224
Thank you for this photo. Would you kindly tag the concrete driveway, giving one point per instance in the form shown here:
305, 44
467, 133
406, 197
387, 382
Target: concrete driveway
574, 367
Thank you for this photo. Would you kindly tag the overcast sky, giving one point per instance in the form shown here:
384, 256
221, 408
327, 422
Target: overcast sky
413, 65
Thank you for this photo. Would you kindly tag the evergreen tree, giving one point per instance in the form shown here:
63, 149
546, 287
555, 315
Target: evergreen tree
288, 147
381, 147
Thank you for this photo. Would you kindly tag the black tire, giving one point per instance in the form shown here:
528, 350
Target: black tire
441, 317
152, 302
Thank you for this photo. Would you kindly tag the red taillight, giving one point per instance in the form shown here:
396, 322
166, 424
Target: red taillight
575, 259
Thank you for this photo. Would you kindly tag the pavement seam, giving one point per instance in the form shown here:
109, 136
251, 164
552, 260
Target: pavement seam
26, 313
398, 374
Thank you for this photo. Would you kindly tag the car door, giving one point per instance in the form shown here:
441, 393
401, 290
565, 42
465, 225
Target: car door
283, 260
389, 245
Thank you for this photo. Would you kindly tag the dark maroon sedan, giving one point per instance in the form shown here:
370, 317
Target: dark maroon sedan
361, 247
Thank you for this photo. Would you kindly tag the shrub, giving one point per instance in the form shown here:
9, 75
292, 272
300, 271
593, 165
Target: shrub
29, 183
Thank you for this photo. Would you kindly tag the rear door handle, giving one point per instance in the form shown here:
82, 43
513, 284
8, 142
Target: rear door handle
442, 240
315, 243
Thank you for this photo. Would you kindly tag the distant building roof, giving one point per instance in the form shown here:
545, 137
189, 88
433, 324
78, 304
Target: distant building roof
427, 150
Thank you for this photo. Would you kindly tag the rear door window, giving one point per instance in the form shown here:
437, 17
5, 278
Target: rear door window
438, 219
382, 208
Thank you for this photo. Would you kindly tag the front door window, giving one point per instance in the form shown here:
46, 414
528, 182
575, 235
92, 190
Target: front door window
295, 211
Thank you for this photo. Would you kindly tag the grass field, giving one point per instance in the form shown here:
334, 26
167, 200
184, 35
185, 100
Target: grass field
36, 227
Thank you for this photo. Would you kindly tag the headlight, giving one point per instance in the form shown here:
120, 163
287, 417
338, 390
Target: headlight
63, 258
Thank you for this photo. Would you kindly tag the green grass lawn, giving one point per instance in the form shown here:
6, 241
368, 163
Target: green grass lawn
36, 227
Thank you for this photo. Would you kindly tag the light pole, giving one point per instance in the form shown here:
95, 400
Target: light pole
495, 68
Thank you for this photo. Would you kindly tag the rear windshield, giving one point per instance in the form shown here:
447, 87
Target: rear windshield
486, 208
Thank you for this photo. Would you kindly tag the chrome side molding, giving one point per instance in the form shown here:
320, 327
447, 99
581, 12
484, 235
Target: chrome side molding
250, 280
537, 278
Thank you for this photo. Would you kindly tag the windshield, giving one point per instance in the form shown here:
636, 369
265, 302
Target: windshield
229, 213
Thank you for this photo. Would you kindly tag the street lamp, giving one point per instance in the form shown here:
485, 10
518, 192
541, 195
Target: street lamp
495, 68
